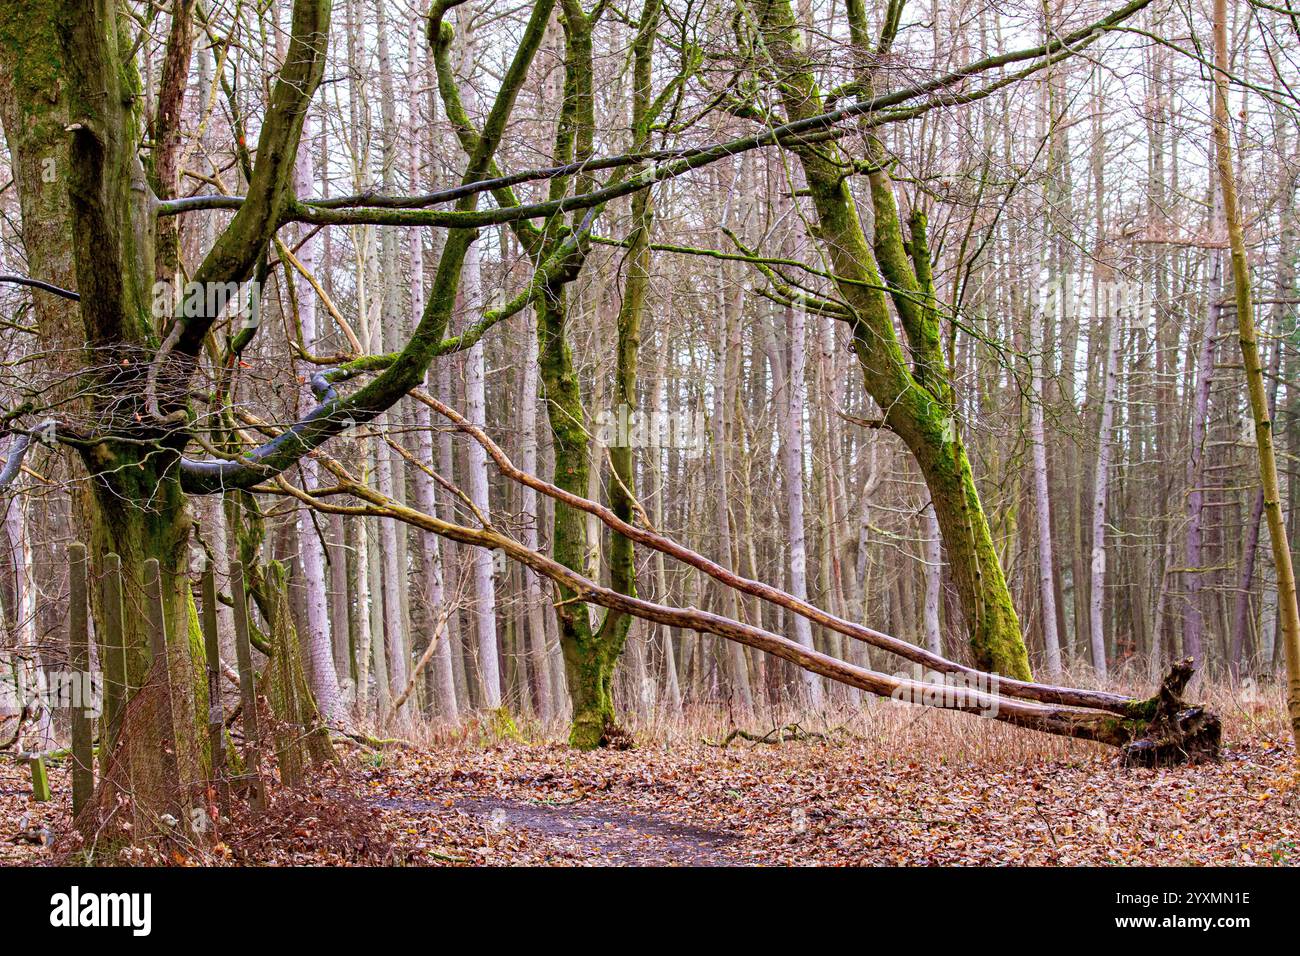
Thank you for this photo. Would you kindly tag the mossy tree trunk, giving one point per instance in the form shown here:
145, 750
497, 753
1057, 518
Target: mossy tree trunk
1288, 606
910, 383
590, 652
86, 222
622, 492
71, 105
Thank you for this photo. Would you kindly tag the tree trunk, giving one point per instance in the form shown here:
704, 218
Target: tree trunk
1288, 607
589, 667
1113, 313
916, 402
933, 561
737, 669
476, 480
792, 436
318, 650
530, 515
1042, 496
1193, 617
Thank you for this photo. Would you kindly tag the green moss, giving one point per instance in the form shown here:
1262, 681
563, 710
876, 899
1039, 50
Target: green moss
235, 766
194, 668
1120, 730
31, 53
1143, 710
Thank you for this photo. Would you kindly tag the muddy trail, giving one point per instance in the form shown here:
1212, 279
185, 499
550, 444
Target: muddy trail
584, 833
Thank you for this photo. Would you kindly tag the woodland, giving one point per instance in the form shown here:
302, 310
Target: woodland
649, 432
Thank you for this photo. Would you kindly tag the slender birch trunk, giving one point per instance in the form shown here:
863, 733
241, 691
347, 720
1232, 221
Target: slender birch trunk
319, 648
389, 464
1288, 607
28, 672
1101, 483
1042, 497
431, 573
531, 518
672, 692
476, 482
476, 466
792, 468
453, 569
1193, 616
737, 668
933, 579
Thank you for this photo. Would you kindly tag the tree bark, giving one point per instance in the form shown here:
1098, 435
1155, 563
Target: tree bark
1288, 607
1193, 616
1113, 311
1042, 495
917, 401
319, 649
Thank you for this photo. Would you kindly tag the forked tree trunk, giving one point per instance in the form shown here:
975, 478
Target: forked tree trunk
136, 508
589, 668
913, 392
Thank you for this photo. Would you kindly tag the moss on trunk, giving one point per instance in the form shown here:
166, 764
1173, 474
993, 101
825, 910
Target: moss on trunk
911, 385
589, 653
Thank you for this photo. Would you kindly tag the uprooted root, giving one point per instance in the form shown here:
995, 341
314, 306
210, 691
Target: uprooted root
1177, 733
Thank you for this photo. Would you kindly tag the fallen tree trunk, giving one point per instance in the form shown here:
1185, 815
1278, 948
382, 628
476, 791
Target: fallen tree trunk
1130, 707
1173, 733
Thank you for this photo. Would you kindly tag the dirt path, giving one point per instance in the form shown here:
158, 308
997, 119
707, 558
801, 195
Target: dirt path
588, 833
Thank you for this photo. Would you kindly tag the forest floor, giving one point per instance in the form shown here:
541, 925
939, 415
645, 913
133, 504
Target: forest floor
810, 803
944, 789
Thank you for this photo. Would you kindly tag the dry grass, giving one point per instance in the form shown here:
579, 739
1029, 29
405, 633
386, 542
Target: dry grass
1253, 715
